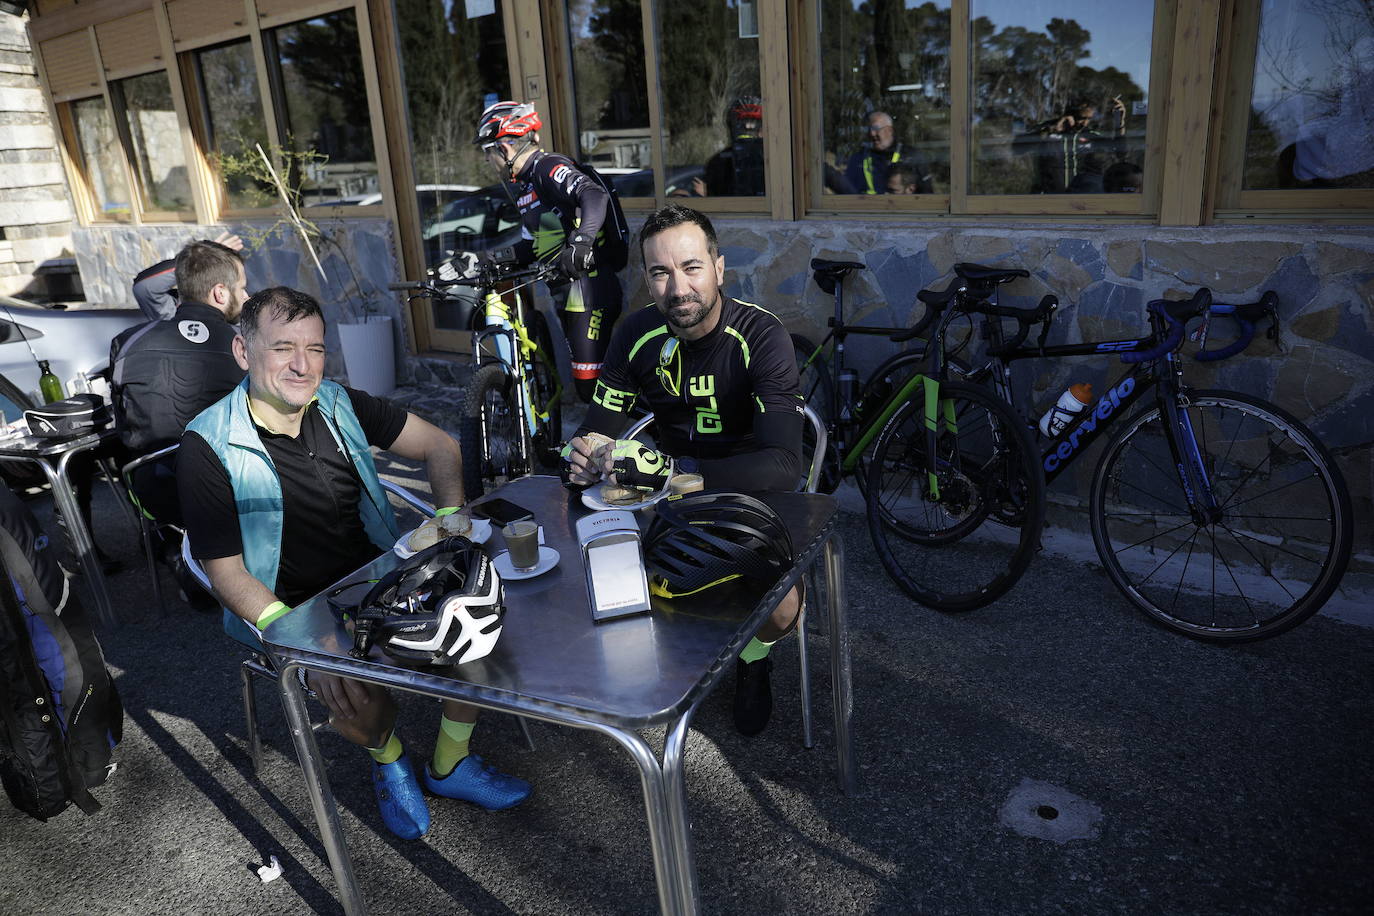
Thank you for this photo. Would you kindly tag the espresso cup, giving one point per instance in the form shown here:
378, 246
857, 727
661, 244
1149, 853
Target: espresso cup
686, 483
522, 540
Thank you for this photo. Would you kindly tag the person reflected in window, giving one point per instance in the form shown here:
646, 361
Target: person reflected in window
1072, 150
905, 178
870, 167
1123, 178
737, 170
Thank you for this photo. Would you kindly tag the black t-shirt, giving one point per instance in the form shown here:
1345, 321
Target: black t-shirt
322, 530
736, 409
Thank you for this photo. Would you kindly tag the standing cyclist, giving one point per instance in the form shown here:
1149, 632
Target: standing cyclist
590, 242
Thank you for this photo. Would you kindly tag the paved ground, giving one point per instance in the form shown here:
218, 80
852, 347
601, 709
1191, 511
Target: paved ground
1186, 779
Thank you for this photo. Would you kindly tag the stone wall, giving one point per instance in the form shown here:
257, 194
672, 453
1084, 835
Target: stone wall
1323, 370
35, 212
359, 262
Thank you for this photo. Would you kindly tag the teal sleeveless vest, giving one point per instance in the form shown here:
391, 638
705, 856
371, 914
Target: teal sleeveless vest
228, 427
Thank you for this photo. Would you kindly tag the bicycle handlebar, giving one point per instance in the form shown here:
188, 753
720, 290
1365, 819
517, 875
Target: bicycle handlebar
936, 302
1176, 316
488, 275
1245, 316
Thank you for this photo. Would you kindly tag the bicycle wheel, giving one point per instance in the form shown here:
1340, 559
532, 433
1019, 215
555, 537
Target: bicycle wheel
548, 437
1276, 548
489, 432
946, 542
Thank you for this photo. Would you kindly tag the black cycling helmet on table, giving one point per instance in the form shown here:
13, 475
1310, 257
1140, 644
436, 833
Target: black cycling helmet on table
442, 606
702, 540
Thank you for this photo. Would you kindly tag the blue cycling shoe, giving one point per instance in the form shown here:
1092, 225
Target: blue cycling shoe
472, 781
404, 809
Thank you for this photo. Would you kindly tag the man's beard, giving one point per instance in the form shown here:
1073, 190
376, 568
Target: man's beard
689, 318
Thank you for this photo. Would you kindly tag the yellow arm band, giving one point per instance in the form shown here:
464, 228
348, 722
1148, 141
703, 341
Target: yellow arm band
447, 510
272, 612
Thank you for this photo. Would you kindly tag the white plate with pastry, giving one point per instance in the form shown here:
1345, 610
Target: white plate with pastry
477, 530
603, 496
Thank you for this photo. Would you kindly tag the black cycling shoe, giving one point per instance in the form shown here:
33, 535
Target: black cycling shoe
753, 695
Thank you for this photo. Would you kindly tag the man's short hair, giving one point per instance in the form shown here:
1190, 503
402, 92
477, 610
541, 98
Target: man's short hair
879, 113
278, 302
675, 215
909, 173
203, 265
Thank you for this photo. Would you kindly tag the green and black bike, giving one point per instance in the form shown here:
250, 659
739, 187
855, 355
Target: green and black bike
512, 418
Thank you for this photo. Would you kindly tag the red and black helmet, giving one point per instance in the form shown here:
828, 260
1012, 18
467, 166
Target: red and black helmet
506, 119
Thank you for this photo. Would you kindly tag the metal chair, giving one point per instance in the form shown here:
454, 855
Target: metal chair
260, 665
808, 484
147, 525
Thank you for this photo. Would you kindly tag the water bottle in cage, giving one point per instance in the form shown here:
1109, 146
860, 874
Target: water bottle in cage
848, 388
1069, 405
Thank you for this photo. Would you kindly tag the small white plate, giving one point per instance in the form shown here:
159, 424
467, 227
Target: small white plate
480, 534
591, 498
548, 559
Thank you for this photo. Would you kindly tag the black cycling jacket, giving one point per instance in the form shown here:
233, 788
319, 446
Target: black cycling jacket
155, 289
729, 403
166, 372
580, 199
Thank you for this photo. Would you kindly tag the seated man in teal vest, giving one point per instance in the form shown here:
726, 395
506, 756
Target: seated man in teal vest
281, 498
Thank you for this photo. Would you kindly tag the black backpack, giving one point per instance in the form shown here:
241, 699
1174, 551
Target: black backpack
60, 715
613, 246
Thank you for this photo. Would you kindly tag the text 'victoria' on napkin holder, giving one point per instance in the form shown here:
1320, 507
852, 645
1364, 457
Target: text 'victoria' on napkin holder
614, 560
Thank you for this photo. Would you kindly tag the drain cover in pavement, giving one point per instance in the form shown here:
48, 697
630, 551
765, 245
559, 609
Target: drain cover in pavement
1038, 809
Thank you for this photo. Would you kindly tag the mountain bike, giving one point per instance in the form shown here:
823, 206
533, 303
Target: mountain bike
1217, 514
512, 417
976, 495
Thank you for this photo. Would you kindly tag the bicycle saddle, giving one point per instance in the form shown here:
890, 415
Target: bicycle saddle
977, 273
828, 272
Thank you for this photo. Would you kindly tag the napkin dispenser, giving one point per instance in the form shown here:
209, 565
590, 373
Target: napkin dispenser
614, 560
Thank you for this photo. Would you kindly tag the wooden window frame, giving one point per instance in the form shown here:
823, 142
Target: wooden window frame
1231, 202
960, 203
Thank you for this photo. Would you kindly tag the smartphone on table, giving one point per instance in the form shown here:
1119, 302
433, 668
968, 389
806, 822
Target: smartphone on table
501, 512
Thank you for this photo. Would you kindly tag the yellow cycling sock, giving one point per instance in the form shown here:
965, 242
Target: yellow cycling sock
452, 745
389, 752
756, 650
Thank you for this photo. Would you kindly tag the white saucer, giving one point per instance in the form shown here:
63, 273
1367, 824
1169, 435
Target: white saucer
548, 559
591, 498
480, 533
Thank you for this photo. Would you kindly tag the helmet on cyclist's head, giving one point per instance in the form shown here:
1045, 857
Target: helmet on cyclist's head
506, 119
702, 540
746, 116
442, 606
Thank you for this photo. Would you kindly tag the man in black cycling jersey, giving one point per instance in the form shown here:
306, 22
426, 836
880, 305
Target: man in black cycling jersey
721, 378
591, 245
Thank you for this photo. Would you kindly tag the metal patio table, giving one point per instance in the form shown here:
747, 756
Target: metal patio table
54, 457
554, 663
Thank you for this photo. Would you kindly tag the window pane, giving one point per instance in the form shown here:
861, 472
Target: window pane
324, 102
712, 110
233, 108
885, 96
156, 141
102, 158
1312, 107
611, 92
455, 66
1059, 96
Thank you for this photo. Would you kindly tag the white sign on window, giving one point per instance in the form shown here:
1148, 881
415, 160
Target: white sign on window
477, 8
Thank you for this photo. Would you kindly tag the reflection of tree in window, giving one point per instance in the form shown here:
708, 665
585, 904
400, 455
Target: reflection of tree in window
99, 147
891, 56
452, 64
1312, 104
157, 155
326, 102
610, 86
229, 87
1043, 121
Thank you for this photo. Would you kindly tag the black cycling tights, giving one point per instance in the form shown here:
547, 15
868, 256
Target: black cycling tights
588, 309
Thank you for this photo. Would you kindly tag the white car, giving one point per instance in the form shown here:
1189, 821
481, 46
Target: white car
75, 341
